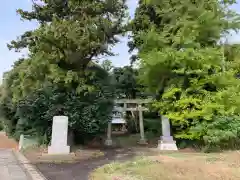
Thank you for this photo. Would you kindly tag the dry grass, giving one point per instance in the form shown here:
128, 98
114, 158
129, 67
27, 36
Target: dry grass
176, 166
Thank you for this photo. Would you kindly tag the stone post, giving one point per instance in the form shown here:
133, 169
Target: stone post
166, 141
142, 136
108, 141
21, 141
59, 136
124, 107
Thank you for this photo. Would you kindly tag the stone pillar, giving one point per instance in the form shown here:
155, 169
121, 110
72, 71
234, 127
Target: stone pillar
108, 141
166, 141
142, 136
124, 108
59, 136
21, 141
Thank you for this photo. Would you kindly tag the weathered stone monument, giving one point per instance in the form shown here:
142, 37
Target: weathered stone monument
166, 142
59, 136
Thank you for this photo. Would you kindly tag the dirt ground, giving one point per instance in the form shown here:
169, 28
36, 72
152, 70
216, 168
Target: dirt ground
7, 143
82, 169
147, 164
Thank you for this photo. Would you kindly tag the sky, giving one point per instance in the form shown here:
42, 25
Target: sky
12, 26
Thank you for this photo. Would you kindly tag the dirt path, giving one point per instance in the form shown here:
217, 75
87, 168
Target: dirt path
81, 170
7, 143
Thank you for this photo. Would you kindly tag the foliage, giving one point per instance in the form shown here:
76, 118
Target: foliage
153, 126
182, 62
222, 133
126, 83
88, 112
107, 65
61, 70
72, 34
204, 21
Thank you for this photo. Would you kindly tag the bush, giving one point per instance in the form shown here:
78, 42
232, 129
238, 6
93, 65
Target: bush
28, 104
88, 113
153, 126
221, 133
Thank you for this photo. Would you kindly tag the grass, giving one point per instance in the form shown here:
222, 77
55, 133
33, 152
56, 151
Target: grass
131, 140
174, 166
126, 140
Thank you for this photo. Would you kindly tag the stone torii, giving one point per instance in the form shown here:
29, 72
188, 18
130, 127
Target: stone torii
166, 141
124, 109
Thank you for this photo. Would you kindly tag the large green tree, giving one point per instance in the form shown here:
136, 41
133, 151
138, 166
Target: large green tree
181, 61
126, 82
171, 16
70, 35
73, 32
62, 66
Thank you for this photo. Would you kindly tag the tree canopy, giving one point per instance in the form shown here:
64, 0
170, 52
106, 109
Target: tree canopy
61, 75
72, 33
182, 61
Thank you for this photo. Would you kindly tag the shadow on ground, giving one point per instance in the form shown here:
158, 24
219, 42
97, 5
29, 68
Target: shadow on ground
82, 169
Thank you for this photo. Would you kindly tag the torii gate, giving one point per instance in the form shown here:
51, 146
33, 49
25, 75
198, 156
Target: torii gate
166, 141
139, 108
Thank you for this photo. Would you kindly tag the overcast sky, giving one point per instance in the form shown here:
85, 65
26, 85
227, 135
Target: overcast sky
12, 26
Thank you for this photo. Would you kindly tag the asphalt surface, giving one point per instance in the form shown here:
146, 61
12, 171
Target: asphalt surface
10, 168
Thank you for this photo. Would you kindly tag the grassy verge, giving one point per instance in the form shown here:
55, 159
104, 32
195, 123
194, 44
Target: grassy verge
225, 166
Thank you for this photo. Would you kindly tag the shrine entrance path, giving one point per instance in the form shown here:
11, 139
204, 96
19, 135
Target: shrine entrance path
81, 170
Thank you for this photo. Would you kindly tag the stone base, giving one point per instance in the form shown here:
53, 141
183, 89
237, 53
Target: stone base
167, 145
108, 142
142, 142
58, 150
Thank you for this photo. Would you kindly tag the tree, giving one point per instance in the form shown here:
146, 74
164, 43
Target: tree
88, 114
107, 65
182, 62
73, 32
61, 66
126, 83
29, 103
171, 16
70, 37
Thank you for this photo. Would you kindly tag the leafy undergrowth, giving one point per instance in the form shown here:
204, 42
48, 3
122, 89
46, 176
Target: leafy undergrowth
225, 166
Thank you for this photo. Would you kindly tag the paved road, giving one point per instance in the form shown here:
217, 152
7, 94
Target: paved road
10, 169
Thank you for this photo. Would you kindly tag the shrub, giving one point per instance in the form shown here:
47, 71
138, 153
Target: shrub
88, 113
153, 126
221, 133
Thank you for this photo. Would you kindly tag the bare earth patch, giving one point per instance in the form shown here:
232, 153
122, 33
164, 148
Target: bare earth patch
148, 164
6, 142
193, 166
39, 155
